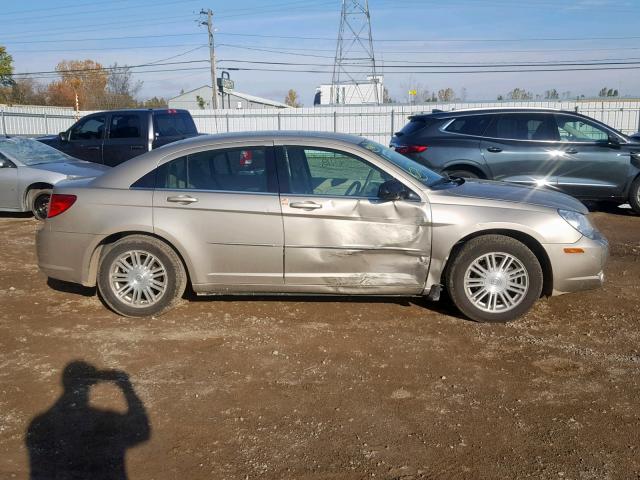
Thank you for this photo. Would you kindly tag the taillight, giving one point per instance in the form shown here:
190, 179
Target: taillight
411, 149
60, 203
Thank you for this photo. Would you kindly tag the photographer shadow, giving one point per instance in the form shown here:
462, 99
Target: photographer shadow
73, 440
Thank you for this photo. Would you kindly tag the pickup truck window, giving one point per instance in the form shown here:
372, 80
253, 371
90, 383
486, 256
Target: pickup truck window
173, 124
91, 128
125, 126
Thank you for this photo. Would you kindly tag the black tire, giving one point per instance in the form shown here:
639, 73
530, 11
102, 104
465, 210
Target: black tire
39, 203
459, 172
634, 196
498, 244
175, 277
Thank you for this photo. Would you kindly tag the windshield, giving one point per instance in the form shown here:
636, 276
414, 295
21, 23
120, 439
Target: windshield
31, 152
419, 172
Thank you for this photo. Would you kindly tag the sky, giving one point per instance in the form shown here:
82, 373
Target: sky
407, 34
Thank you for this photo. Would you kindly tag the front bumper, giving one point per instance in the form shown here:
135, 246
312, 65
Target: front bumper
66, 256
573, 272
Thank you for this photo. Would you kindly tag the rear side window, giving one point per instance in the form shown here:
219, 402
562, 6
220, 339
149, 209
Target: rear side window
125, 126
173, 124
235, 170
472, 125
523, 126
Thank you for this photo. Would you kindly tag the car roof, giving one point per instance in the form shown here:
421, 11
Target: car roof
437, 114
138, 110
265, 135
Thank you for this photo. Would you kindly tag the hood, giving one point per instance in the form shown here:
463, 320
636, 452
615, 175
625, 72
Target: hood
509, 192
78, 169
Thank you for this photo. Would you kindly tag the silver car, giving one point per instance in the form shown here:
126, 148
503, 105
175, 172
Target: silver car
313, 213
28, 171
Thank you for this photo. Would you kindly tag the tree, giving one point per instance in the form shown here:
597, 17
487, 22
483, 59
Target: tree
446, 95
201, 102
155, 102
24, 91
551, 94
6, 68
519, 94
386, 98
500, 98
121, 90
603, 92
463, 94
85, 79
292, 99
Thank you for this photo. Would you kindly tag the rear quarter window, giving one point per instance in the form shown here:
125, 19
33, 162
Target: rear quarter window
472, 125
414, 126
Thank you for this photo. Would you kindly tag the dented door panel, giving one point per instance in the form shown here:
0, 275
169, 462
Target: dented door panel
356, 243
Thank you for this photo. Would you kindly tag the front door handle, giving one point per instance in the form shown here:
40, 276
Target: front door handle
93, 148
494, 149
571, 151
184, 199
306, 205
136, 147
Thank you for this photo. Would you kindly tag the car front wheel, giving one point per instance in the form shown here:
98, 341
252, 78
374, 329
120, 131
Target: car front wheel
494, 278
140, 276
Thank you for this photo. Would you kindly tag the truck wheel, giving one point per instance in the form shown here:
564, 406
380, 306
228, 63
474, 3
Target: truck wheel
139, 276
494, 278
634, 196
39, 203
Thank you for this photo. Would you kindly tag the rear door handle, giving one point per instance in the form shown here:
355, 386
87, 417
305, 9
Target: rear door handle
571, 151
494, 149
136, 147
93, 148
184, 199
306, 205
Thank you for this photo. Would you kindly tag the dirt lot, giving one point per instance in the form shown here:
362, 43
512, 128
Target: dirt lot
301, 388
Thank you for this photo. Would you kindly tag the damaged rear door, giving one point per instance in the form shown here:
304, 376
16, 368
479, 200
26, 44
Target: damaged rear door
339, 236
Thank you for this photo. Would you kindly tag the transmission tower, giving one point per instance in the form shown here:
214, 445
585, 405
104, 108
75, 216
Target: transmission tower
354, 55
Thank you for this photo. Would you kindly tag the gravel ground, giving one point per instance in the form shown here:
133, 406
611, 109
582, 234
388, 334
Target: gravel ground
320, 389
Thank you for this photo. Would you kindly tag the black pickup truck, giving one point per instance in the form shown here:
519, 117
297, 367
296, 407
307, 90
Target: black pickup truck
116, 136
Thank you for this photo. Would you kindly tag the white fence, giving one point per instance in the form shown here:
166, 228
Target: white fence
375, 122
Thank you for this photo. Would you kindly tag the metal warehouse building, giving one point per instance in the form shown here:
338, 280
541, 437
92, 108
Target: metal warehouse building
200, 99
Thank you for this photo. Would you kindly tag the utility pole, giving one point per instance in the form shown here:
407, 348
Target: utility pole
212, 57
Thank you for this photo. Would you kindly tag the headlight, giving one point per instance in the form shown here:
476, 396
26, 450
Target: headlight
580, 222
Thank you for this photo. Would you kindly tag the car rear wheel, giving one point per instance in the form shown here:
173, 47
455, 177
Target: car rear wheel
494, 278
634, 196
140, 276
39, 203
458, 172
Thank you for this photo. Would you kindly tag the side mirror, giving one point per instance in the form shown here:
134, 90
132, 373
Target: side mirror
613, 140
392, 190
64, 136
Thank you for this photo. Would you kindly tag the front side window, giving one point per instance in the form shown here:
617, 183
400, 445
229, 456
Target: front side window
91, 128
125, 126
235, 170
572, 129
319, 171
523, 126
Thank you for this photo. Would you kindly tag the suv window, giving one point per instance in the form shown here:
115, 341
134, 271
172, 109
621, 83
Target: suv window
523, 126
235, 170
91, 128
415, 125
319, 171
173, 124
125, 126
573, 129
471, 125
